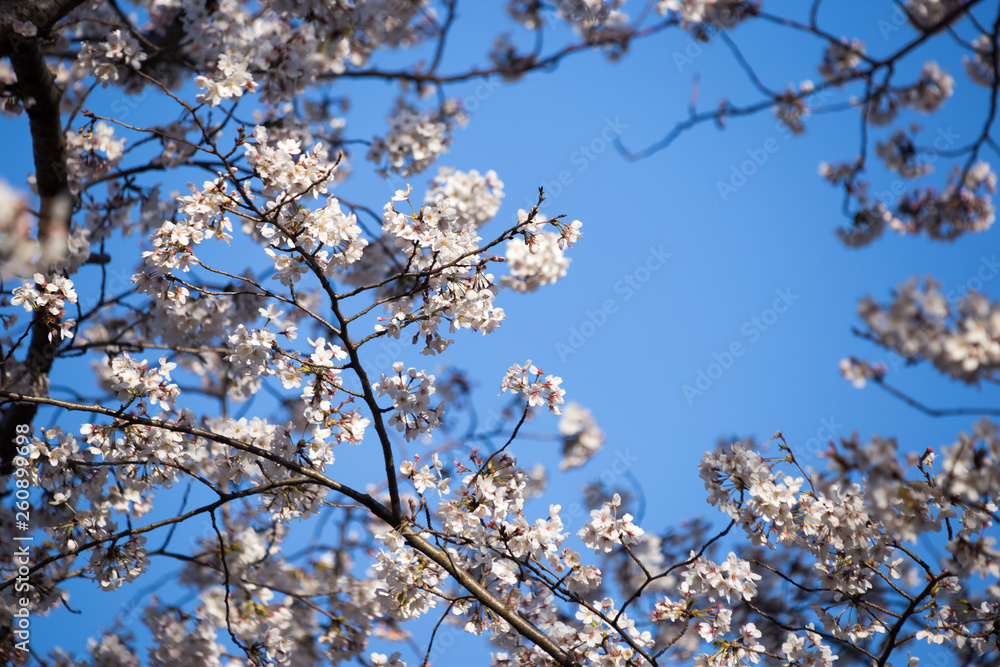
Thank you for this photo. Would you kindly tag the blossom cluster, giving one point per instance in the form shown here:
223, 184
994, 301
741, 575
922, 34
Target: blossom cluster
475, 197
927, 13
791, 108
415, 138
528, 380
285, 169
927, 94
963, 206
91, 152
110, 60
582, 438
859, 371
979, 68
931, 90
839, 546
117, 564
231, 80
427, 476
900, 155
833, 525
17, 248
408, 578
960, 339
694, 14
733, 578
443, 251
606, 530
855, 532
537, 258
841, 59
532, 266
48, 298
411, 393
204, 210
602, 642
132, 378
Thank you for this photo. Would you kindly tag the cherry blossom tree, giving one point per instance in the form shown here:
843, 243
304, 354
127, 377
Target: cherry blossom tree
806, 568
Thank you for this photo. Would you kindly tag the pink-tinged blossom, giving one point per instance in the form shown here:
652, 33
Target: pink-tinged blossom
48, 297
474, 197
606, 530
411, 392
119, 563
960, 338
415, 139
542, 263
380, 660
859, 371
134, 379
979, 68
230, 80
722, 14
111, 59
732, 578
407, 578
538, 390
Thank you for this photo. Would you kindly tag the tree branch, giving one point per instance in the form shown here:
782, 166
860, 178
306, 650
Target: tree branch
43, 13
42, 97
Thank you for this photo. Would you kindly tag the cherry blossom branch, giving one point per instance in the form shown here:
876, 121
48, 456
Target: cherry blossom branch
505, 236
994, 93
635, 595
376, 411
485, 597
822, 633
933, 412
485, 72
726, 110
430, 642
411, 535
36, 83
225, 583
158, 524
890, 639
363, 499
439, 51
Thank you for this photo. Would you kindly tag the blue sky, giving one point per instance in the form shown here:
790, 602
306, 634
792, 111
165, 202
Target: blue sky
671, 275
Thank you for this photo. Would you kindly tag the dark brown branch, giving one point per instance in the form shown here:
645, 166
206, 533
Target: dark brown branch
37, 88
726, 110
935, 412
43, 13
890, 640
